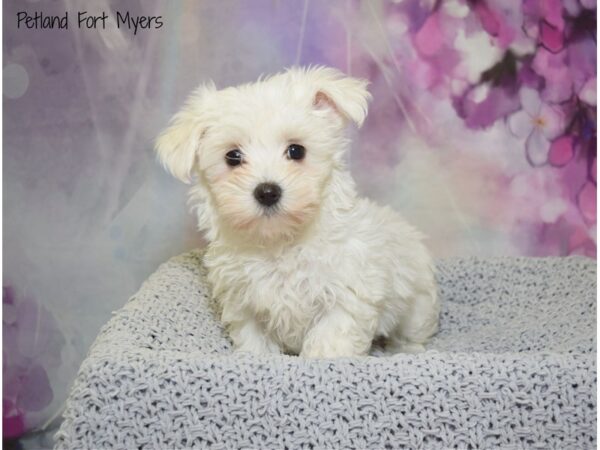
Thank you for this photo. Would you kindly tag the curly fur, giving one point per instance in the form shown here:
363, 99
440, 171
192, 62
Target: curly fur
324, 272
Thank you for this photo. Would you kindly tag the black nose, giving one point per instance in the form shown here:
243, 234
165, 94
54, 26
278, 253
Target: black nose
267, 194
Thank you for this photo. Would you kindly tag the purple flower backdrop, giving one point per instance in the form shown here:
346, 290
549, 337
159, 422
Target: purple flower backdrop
482, 132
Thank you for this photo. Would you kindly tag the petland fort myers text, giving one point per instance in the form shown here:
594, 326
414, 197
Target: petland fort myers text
86, 20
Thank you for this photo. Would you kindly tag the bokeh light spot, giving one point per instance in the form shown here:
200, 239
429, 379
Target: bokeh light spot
15, 79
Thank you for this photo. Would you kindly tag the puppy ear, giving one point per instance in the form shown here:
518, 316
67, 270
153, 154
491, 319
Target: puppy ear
177, 146
347, 96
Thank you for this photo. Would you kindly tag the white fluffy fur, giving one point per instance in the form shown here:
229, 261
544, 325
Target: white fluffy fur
327, 272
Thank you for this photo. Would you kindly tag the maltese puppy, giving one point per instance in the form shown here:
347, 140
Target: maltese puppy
297, 262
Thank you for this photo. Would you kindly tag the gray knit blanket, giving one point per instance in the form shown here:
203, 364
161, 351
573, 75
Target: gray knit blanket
513, 366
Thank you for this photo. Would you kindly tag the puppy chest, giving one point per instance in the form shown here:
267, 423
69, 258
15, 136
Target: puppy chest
287, 295
286, 298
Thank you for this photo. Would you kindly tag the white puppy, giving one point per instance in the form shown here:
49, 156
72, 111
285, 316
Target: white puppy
297, 262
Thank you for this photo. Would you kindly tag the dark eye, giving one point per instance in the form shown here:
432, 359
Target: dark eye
234, 157
296, 152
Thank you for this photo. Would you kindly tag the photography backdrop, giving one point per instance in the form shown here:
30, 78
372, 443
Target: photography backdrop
482, 132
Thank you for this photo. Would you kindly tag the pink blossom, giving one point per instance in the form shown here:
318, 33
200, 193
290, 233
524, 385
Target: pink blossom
555, 70
562, 151
502, 19
13, 420
588, 4
551, 37
551, 11
430, 39
573, 7
581, 61
586, 200
32, 347
435, 59
539, 123
588, 92
548, 10
478, 114
580, 242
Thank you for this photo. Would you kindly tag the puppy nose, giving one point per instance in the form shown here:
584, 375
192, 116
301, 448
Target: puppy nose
267, 194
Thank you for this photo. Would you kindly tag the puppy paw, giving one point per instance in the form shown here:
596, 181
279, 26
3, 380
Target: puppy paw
333, 348
258, 347
400, 345
248, 337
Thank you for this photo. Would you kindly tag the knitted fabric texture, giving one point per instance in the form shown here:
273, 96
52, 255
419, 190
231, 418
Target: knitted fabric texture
513, 366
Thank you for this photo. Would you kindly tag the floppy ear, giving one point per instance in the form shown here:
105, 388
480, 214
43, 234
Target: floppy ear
347, 96
177, 146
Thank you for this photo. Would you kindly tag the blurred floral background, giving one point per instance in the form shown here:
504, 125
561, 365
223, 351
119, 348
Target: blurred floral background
482, 132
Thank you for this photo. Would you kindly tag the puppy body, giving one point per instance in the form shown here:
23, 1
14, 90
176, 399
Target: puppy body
323, 272
359, 272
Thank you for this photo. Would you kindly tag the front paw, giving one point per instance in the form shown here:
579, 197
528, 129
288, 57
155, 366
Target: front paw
330, 348
249, 337
258, 347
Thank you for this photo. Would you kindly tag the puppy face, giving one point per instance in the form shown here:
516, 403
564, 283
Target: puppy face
263, 153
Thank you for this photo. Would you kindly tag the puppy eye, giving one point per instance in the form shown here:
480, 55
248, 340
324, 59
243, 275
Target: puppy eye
234, 157
296, 152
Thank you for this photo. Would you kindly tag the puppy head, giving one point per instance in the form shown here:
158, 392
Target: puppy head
263, 153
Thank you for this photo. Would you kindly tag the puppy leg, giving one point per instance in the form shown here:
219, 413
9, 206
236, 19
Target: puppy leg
339, 334
249, 336
418, 325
